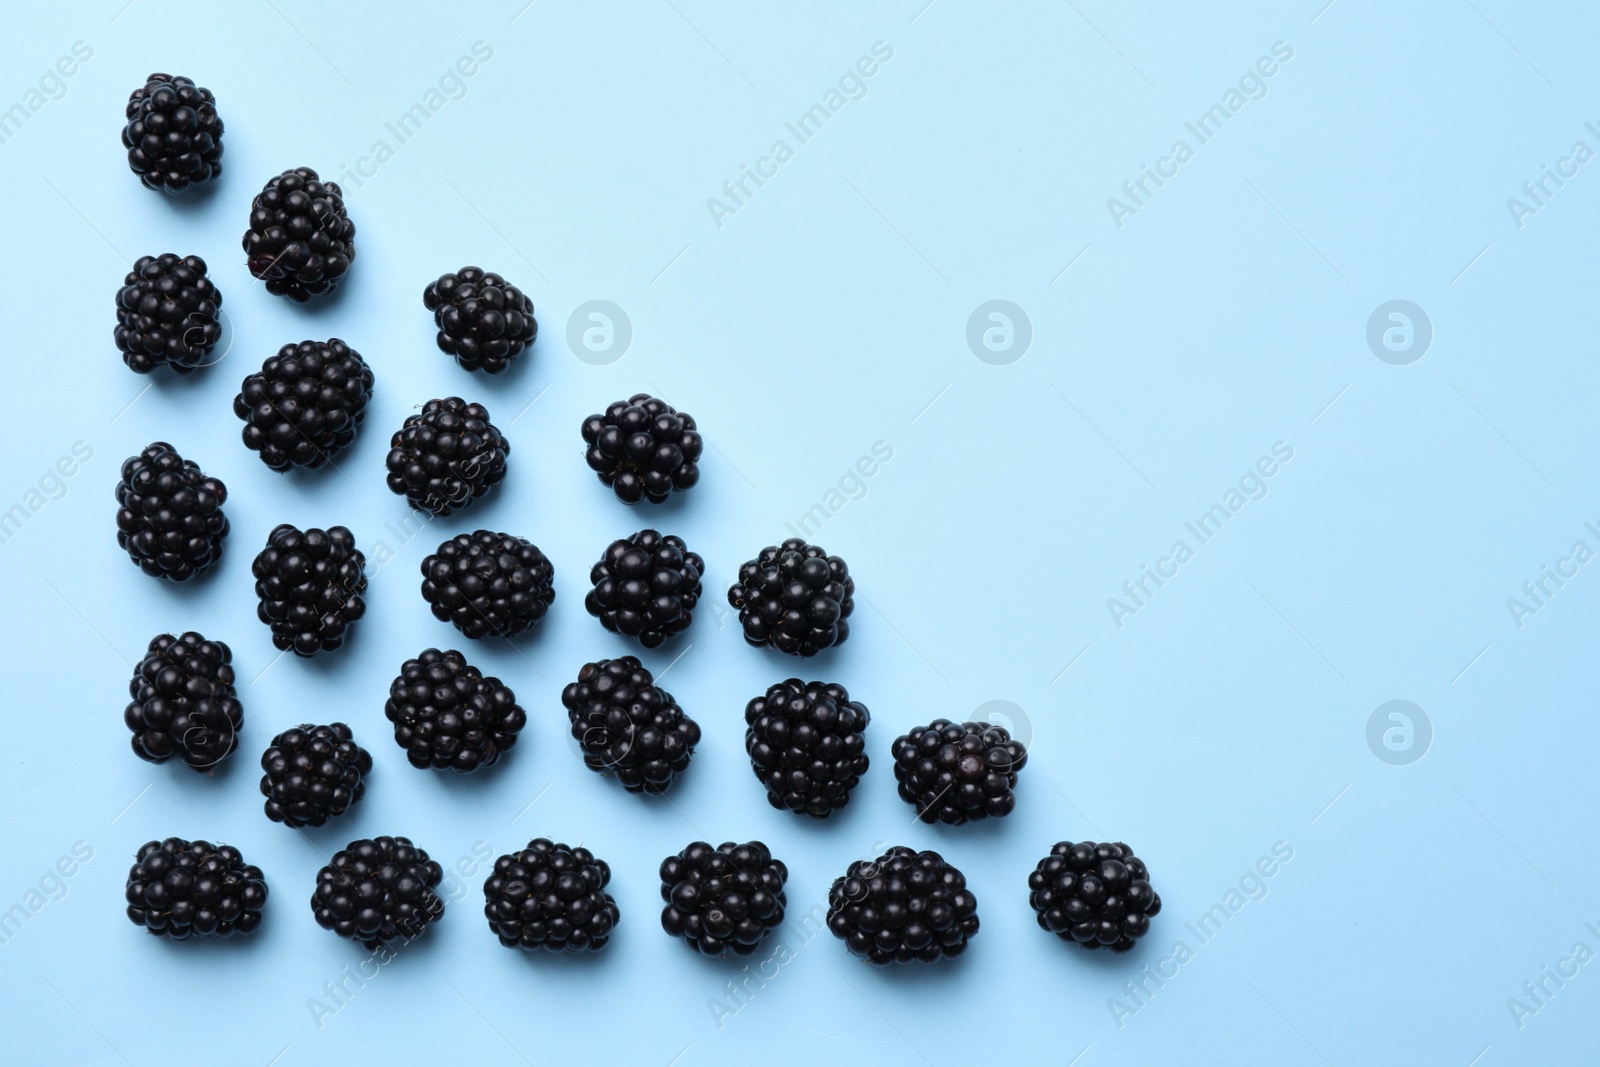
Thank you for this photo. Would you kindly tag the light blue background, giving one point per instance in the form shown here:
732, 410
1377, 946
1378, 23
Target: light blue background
829, 313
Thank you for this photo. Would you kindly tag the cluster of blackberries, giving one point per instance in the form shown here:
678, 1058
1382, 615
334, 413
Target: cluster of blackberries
903, 906
168, 314
173, 135
488, 584
169, 514
1097, 894
794, 597
180, 889
957, 772
448, 714
645, 587
725, 899
377, 890
301, 240
303, 407
484, 321
313, 773
628, 726
807, 745
643, 448
446, 456
310, 584
550, 896
184, 702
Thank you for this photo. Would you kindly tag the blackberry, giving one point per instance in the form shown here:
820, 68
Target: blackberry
310, 584
488, 583
447, 714
903, 906
628, 726
313, 773
646, 587
794, 597
484, 321
723, 899
180, 889
1096, 894
184, 703
378, 889
300, 241
167, 314
958, 772
169, 514
446, 456
552, 897
643, 448
174, 134
806, 745
303, 407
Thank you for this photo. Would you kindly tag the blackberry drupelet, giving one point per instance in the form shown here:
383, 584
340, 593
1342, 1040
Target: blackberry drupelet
303, 407
723, 899
903, 906
169, 514
300, 241
167, 314
646, 587
174, 134
447, 714
552, 897
958, 772
446, 456
180, 889
628, 726
378, 889
310, 584
794, 597
643, 449
313, 773
484, 321
806, 745
488, 583
1097, 894
184, 702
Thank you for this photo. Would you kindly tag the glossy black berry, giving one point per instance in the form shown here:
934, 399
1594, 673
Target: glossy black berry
303, 407
174, 134
313, 773
551, 897
184, 702
377, 890
645, 587
956, 772
448, 714
446, 456
903, 906
180, 889
628, 726
1097, 894
488, 584
169, 514
643, 448
723, 900
484, 321
300, 241
168, 314
310, 584
806, 745
794, 597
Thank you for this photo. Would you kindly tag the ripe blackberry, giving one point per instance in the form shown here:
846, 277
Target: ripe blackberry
552, 897
958, 772
806, 745
180, 889
484, 321
903, 906
794, 597
446, 456
310, 584
643, 448
184, 703
174, 134
723, 899
167, 314
378, 889
447, 714
488, 583
1096, 894
628, 726
300, 241
303, 407
169, 514
645, 586
313, 773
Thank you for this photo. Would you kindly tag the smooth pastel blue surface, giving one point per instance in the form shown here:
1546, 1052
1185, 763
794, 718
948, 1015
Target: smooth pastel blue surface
1225, 316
